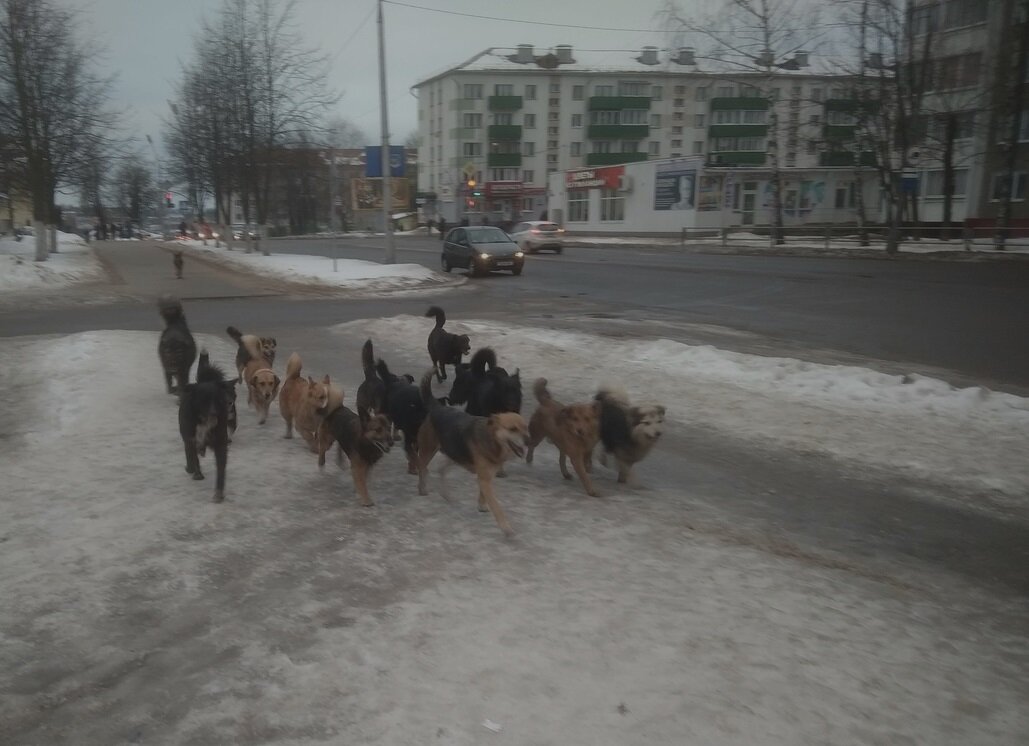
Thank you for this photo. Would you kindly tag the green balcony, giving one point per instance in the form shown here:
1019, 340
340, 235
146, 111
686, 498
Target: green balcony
504, 132
747, 103
617, 103
838, 131
505, 103
463, 104
841, 104
737, 130
846, 158
737, 158
504, 160
617, 131
611, 159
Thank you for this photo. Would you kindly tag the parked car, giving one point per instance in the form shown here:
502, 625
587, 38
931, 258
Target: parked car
481, 248
533, 235
239, 232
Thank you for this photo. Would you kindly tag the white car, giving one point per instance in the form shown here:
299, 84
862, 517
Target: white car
533, 235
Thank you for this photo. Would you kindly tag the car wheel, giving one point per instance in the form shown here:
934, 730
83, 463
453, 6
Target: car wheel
516, 271
445, 263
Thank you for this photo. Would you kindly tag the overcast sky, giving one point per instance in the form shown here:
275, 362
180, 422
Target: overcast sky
144, 42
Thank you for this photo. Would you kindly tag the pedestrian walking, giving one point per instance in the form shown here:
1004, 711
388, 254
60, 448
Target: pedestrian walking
178, 261
442, 228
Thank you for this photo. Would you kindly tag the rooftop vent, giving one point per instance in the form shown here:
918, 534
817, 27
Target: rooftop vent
686, 56
801, 58
875, 60
524, 54
648, 56
765, 59
564, 54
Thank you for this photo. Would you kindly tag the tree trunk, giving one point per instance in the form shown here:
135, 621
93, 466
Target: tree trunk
1013, 103
42, 251
862, 220
949, 135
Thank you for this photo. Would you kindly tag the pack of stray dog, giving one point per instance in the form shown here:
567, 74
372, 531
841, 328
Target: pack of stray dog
477, 426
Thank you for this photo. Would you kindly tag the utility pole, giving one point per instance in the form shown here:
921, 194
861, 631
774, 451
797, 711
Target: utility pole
387, 193
161, 189
333, 212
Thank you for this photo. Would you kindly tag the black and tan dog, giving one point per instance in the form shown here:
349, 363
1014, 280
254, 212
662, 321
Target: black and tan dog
484, 387
627, 432
371, 394
573, 428
364, 440
445, 348
252, 347
177, 349
404, 408
204, 421
479, 444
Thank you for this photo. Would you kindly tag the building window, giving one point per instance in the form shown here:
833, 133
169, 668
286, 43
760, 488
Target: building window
812, 147
657, 92
503, 174
776, 94
578, 206
528, 176
698, 147
791, 159
677, 130
795, 91
603, 146
630, 146
632, 88
578, 92
603, 90
551, 171
934, 183
748, 91
553, 116
739, 116
815, 119
576, 148
816, 94
528, 148
612, 205
701, 94
552, 131
530, 92
551, 144
676, 155
471, 149
698, 120
737, 144
530, 121
552, 158
724, 91
473, 90
676, 143
679, 103
555, 87
527, 204
554, 103
576, 120
503, 89
503, 118
655, 121
604, 117
654, 147
633, 116
679, 90
472, 121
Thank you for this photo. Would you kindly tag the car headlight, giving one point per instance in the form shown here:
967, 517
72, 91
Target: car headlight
214, 235
484, 255
519, 254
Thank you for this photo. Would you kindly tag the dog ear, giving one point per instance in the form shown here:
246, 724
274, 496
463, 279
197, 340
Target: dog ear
310, 381
276, 386
660, 410
253, 379
326, 380
516, 373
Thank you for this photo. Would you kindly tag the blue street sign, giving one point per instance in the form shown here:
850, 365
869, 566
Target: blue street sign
373, 161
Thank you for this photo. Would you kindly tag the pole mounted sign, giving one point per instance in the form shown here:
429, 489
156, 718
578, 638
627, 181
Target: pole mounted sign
373, 161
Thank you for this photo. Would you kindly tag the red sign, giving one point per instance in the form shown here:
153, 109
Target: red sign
607, 177
503, 189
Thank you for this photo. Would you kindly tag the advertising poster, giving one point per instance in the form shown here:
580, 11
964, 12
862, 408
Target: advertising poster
709, 193
675, 187
366, 194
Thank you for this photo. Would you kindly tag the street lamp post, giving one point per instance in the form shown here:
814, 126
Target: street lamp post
160, 188
387, 194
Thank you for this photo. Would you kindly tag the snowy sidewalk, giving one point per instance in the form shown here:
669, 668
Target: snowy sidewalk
73, 264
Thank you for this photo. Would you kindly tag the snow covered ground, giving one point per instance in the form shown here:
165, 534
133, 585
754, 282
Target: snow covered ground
136, 610
74, 263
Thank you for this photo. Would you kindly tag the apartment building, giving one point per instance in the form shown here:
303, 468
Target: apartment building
509, 118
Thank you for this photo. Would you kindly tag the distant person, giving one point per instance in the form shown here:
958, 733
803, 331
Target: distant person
182, 228
85, 233
178, 261
465, 223
442, 228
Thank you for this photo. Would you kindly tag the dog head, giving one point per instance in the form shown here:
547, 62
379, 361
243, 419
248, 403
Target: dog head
317, 394
510, 432
462, 344
581, 420
379, 430
647, 422
264, 384
268, 349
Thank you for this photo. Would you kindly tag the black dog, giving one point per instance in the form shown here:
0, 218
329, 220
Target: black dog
371, 394
445, 348
486, 388
177, 349
204, 421
403, 405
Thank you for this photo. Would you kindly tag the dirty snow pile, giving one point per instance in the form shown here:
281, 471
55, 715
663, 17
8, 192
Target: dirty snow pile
324, 271
73, 263
137, 611
970, 438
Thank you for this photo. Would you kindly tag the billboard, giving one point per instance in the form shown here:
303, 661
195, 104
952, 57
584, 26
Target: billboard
366, 194
709, 193
373, 161
675, 186
608, 177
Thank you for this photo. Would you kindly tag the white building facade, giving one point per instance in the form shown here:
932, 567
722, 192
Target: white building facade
508, 120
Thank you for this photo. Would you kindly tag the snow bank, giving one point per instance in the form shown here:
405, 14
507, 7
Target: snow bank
74, 263
326, 272
972, 438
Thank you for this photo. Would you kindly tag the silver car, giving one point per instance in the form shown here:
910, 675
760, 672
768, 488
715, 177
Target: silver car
534, 235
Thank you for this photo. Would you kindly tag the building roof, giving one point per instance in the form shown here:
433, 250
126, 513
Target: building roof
526, 59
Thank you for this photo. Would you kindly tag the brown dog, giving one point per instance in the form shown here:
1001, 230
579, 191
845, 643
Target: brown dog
574, 429
262, 386
294, 389
252, 347
479, 444
363, 440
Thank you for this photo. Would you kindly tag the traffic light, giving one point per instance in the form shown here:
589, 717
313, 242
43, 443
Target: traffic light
168, 199
470, 203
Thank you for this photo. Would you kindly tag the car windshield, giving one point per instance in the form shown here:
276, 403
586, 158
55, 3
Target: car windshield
487, 234
547, 227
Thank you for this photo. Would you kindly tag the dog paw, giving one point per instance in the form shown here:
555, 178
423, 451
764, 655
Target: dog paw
367, 503
219, 496
197, 475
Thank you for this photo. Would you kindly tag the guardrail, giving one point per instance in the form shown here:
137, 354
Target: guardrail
828, 237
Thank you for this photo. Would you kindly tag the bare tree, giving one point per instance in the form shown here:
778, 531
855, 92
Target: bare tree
132, 185
342, 133
52, 104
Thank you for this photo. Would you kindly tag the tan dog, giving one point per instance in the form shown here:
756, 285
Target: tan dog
294, 389
574, 429
262, 386
479, 444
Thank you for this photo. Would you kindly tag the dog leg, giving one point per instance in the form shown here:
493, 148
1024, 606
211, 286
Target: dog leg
443, 469
579, 464
563, 463
289, 427
168, 382
623, 472
487, 497
192, 461
359, 472
603, 458
427, 445
221, 458
589, 461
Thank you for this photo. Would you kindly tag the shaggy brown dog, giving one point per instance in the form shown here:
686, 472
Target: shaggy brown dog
293, 391
573, 428
364, 440
445, 348
262, 386
252, 347
479, 444
627, 432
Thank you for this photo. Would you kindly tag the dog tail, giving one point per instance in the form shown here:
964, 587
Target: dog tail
208, 373
483, 358
539, 388
236, 334
170, 309
428, 399
383, 370
441, 318
293, 366
368, 360
612, 395
615, 428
